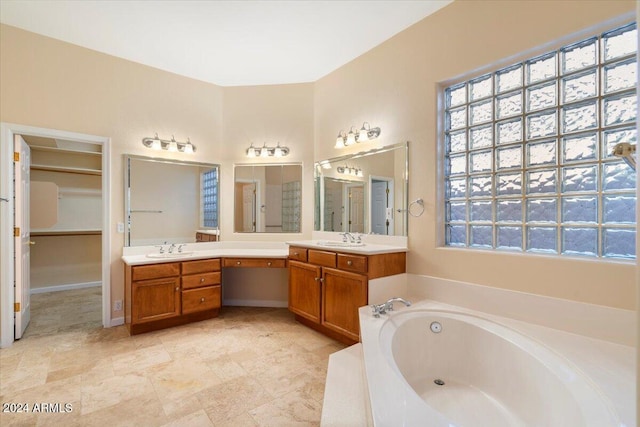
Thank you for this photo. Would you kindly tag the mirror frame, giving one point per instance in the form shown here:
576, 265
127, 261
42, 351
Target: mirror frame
127, 187
318, 186
253, 165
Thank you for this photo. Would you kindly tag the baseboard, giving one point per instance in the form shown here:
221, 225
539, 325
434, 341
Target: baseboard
116, 322
67, 287
255, 303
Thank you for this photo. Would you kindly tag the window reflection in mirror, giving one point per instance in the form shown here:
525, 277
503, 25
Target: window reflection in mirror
170, 201
268, 198
364, 192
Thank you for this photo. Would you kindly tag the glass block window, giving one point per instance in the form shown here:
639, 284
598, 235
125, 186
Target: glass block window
528, 157
209, 198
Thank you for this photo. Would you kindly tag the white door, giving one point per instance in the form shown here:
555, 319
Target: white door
22, 239
356, 209
249, 207
379, 224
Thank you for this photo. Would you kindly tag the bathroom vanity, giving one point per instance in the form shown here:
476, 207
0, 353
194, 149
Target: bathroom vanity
165, 290
327, 284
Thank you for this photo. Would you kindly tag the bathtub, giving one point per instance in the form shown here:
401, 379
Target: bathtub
433, 366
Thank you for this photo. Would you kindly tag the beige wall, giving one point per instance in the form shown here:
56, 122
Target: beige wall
51, 84
395, 86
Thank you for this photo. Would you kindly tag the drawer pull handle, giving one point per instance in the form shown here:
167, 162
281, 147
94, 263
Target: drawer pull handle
202, 280
202, 299
349, 262
237, 262
269, 263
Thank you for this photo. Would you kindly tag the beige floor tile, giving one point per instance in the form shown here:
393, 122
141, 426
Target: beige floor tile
248, 367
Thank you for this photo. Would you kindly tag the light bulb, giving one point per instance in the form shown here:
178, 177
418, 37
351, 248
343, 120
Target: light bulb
340, 141
251, 151
188, 148
277, 152
173, 146
156, 144
351, 138
363, 135
264, 152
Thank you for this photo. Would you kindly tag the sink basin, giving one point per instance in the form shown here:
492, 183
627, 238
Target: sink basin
338, 244
169, 255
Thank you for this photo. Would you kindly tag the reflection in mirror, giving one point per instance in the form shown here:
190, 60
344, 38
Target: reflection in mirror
364, 192
268, 198
170, 201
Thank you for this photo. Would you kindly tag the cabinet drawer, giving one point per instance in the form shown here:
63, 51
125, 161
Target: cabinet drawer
200, 280
352, 263
297, 253
155, 271
200, 299
201, 266
254, 262
323, 258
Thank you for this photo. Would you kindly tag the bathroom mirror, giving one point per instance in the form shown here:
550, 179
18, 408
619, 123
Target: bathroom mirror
363, 193
170, 201
268, 198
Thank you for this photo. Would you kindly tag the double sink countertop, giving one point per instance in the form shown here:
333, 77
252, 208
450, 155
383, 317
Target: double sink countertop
140, 255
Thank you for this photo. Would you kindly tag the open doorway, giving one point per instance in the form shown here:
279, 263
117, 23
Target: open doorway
65, 280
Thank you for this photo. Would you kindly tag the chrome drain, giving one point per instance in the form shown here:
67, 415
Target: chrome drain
435, 327
438, 382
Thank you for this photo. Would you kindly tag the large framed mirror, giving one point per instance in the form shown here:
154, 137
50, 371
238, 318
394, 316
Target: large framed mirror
170, 201
364, 192
268, 198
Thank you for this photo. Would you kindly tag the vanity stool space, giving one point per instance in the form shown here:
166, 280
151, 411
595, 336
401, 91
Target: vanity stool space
327, 287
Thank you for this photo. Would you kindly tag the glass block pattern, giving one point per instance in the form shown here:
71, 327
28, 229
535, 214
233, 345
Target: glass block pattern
291, 206
209, 198
528, 158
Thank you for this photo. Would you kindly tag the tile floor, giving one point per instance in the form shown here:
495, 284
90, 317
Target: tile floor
248, 367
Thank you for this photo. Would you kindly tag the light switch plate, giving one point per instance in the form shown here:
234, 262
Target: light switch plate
120, 227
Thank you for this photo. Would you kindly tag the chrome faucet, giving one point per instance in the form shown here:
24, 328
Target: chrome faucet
357, 238
180, 247
378, 309
161, 248
172, 247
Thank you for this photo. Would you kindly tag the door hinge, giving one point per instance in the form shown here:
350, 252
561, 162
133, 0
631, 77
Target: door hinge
16, 307
16, 231
16, 156
387, 190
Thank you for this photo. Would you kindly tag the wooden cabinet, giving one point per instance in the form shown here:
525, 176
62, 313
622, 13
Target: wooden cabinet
255, 262
342, 294
168, 294
326, 288
304, 290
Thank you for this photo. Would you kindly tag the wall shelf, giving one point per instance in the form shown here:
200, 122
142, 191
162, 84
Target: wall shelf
82, 171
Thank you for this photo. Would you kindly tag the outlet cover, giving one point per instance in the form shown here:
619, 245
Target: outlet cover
120, 227
117, 305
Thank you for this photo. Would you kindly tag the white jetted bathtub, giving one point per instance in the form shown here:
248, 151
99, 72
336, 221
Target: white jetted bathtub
429, 366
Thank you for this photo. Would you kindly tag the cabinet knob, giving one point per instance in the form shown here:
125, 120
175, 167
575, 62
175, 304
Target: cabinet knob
177, 288
269, 264
316, 278
295, 253
349, 262
237, 262
202, 299
202, 280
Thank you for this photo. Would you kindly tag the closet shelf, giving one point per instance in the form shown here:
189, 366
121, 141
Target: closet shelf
65, 232
65, 150
82, 171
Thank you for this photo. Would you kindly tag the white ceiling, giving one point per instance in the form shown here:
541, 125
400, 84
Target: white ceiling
229, 43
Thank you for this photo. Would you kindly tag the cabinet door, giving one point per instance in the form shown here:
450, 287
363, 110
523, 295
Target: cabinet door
342, 294
305, 290
155, 299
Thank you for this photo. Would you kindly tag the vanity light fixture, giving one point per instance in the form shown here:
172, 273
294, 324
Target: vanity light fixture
365, 133
325, 164
265, 151
347, 170
156, 143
